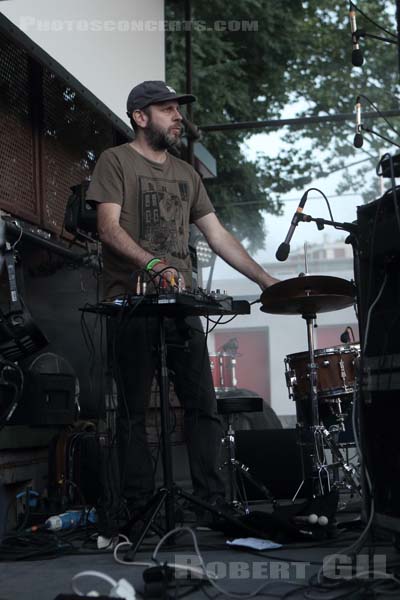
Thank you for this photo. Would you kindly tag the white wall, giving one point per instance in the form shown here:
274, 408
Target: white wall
88, 38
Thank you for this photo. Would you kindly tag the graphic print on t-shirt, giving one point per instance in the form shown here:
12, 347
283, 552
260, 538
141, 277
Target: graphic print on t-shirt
164, 210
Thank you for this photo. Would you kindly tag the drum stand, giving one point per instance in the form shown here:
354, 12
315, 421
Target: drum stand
237, 470
319, 438
308, 295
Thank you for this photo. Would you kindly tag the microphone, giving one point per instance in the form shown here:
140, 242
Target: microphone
231, 347
358, 138
283, 251
357, 58
345, 337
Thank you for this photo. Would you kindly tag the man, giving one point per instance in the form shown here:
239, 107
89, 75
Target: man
146, 200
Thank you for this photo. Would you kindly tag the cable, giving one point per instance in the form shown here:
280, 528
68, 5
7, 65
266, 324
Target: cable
353, 548
219, 322
119, 589
373, 22
326, 200
371, 308
379, 113
350, 585
110, 505
211, 577
33, 546
158, 274
17, 224
191, 569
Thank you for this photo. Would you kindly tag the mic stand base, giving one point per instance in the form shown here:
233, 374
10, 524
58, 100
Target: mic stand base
153, 508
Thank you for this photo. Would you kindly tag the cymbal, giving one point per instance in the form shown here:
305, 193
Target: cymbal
307, 295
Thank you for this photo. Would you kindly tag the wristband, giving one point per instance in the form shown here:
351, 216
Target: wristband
152, 263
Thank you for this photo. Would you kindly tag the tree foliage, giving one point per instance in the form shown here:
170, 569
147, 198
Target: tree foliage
300, 53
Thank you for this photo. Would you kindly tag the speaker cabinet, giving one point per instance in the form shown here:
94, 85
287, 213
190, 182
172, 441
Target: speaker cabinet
378, 284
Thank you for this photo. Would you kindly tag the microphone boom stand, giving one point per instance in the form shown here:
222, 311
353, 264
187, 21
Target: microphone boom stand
379, 135
349, 227
360, 33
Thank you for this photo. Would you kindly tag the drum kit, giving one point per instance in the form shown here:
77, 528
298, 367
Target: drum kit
322, 382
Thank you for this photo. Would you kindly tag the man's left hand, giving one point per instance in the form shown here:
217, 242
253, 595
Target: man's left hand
267, 281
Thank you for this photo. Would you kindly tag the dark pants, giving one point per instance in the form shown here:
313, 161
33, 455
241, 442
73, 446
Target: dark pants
136, 354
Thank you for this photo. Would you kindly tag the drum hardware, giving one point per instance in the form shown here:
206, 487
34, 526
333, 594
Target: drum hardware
342, 373
349, 471
291, 380
340, 420
237, 470
326, 475
308, 295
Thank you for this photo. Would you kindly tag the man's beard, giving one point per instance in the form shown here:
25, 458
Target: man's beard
159, 139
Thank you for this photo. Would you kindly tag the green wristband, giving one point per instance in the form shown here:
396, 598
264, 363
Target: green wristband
152, 263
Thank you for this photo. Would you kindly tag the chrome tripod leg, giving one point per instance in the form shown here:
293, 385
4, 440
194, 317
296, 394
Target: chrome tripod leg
238, 470
349, 472
229, 442
298, 491
243, 471
321, 464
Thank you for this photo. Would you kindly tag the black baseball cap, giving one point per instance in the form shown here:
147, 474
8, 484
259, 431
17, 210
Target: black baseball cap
152, 92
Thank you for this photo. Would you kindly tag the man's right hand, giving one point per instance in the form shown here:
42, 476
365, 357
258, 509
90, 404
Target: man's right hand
169, 274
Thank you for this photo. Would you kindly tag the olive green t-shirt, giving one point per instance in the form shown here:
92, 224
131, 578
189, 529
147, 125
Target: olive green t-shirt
158, 202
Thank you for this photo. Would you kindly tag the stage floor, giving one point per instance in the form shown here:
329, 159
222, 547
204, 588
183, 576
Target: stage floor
240, 571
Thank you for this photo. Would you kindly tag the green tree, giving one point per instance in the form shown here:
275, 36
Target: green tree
297, 52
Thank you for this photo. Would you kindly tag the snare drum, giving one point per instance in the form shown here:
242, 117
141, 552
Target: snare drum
223, 369
335, 372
